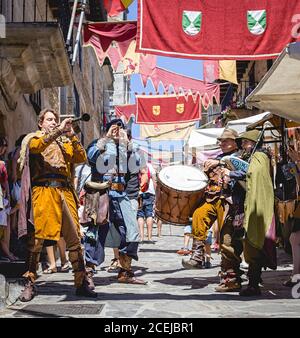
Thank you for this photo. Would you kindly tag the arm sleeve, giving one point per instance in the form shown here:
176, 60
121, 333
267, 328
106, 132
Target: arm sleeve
79, 154
237, 175
93, 152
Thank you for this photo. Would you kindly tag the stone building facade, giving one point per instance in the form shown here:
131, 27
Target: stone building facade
36, 71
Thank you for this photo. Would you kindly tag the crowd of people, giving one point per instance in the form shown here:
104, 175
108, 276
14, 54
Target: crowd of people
54, 194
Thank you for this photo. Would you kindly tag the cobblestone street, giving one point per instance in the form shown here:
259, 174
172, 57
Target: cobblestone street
171, 292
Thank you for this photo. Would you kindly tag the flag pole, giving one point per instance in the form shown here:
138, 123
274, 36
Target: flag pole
68, 42
77, 41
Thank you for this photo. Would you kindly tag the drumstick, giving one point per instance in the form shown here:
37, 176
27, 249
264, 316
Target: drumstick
196, 179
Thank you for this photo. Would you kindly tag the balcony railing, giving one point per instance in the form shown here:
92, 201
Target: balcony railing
37, 11
25, 11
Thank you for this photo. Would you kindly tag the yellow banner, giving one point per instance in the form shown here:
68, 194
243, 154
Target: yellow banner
180, 131
126, 3
227, 71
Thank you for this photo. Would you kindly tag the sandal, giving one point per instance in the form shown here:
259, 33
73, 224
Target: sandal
65, 267
114, 265
48, 271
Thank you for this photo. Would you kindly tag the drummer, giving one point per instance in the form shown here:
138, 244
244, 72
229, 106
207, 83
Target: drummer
214, 206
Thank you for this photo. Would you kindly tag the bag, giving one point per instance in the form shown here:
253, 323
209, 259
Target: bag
16, 191
96, 208
289, 170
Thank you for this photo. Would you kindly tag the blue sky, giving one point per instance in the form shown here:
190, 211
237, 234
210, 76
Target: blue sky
192, 68
188, 67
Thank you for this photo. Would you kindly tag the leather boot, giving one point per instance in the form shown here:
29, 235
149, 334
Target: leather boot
197, 260
29, 291
89, 278
85, 291
254, 274
230, 282
77, 261
230, 273
29, 277
126, 274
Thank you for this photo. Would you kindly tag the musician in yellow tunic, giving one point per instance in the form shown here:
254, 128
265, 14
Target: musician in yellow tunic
214, 207
52, 153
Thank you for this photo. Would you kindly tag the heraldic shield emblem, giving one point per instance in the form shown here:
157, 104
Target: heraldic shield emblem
191, 22
257, 21
156, 110
180, 108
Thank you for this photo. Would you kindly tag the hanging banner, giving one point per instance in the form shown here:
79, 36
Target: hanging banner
217, 29
219, 70
160, 109
169, 132
126, 111
179, 83
110, 39
115, 7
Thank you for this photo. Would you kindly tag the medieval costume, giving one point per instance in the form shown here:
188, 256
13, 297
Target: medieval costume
109, 164
259, 220
49, 206
213, 208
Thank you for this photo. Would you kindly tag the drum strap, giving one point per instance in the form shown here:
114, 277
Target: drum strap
226, 210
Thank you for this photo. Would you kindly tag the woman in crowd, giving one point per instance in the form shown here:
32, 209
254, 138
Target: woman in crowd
4, 213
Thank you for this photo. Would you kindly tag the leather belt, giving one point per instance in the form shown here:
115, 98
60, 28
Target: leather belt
117, 187
52, 176
51, 184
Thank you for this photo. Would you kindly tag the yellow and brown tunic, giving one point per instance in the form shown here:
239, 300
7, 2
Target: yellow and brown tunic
52, 157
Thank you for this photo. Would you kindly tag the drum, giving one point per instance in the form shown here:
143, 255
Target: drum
179, 191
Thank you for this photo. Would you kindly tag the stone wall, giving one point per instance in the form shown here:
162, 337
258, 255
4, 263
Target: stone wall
16, 122
19, 117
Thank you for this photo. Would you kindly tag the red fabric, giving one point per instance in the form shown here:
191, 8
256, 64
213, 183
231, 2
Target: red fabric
114, 56
167, 109
113, 7
100, 35
224, 30
126, 111
145, 185
210, 71
180, 83
3, 175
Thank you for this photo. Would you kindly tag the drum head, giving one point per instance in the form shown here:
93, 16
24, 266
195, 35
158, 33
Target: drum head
183, 178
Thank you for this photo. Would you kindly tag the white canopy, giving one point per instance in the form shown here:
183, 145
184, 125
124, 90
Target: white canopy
241, 125
204, 138
279, 90
207, 138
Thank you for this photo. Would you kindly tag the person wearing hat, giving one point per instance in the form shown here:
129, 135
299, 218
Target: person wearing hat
259, 219
109, 162
232, 232
214, 206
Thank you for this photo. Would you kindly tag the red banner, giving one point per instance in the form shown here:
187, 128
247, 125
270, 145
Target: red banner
181, 84
162, 109
217, 29
115, 7
127, 111
100, 36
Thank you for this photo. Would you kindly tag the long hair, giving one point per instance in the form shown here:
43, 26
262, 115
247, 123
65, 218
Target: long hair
43, 113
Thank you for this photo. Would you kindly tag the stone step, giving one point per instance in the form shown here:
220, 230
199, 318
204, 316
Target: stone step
10, 290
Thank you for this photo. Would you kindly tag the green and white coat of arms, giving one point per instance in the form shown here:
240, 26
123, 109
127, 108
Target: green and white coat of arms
257, 21
191, 22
